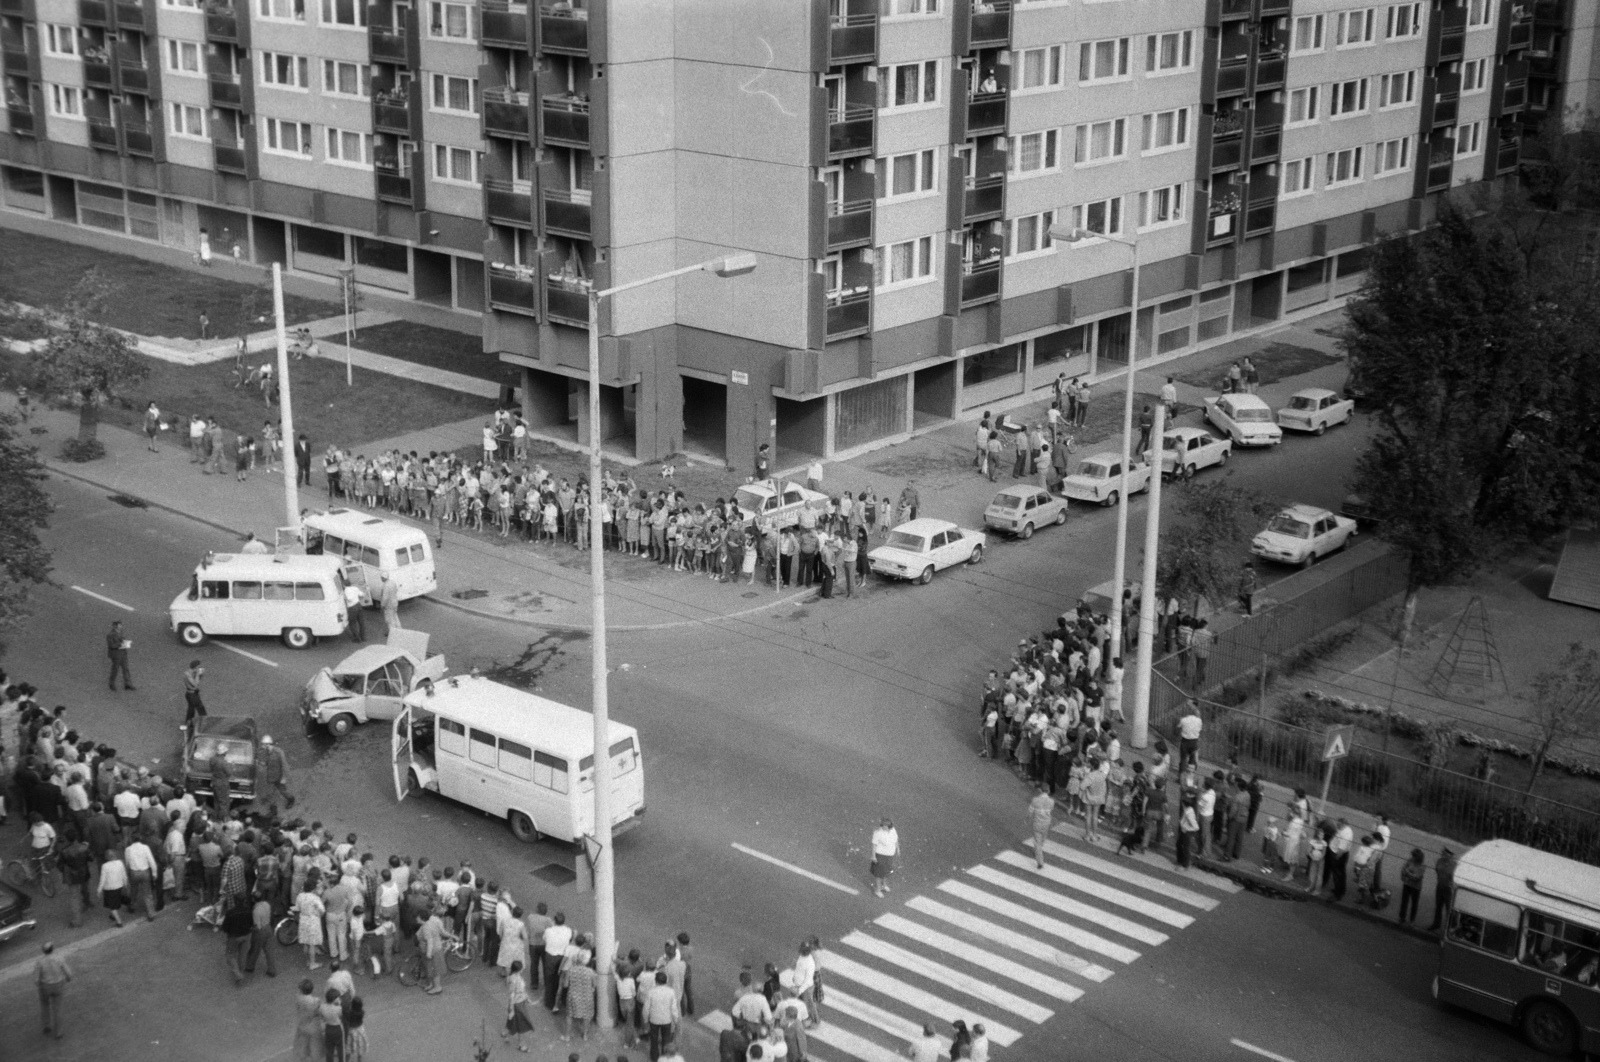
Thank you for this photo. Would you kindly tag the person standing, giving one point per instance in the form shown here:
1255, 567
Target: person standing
763, 462
1093, 794
152, 426
885, 849
237, 926
1205, 807
331, 1013
518, 1020
308, 1024
1200, 643
193, 705
219, 448
1444, 879
74, 860
1339, 857
261, 936
1083, 403
1041, 815
117, 646
51, 974
1247, 588
142, 874
1169, 397
389, 601
910, 500
1147, 423
1411, 872
981, 457
176, 849
1188, 830
353, 608
1189, 727
221, 782
302, 461
1381, 833
274, 774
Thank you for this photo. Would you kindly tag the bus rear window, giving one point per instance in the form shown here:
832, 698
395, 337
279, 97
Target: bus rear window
1484, 922
401, 558
417, 554
623, 758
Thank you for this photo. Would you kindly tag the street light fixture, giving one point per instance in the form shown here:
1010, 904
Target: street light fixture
605, 914
1074, 234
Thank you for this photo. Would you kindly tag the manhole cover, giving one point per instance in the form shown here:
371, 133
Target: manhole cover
127, 502
468, 595
749, 594
556, 874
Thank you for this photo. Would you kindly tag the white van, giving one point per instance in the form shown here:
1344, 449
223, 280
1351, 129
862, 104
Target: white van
378, 545
515, 755
298, 599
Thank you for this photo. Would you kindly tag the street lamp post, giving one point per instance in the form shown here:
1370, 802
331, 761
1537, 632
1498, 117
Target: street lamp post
1143, 673
291, 473
605, 914
1070, 234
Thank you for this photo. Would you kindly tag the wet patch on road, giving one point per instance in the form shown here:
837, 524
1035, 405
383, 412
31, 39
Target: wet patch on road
469, 595
526, 671
127, 502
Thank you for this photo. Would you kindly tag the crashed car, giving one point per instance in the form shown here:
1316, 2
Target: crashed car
236, 737
370, 683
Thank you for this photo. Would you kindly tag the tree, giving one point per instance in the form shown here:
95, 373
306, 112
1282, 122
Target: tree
87, 360
24, 560
1565, 704
1200, 555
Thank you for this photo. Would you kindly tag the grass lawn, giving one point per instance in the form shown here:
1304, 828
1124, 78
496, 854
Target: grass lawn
438, 348
1274, 362
152, 300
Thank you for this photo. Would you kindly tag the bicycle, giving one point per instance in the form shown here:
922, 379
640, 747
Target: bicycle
40, 868
459, 956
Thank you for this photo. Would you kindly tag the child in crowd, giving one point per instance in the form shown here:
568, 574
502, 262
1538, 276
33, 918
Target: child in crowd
1270, 853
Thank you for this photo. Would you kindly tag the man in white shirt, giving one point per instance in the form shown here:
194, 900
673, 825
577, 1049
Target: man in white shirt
979, 1047
126, 804
142, 871
1189, 727
556, 939
177, 850
805, 980
926, 1048
814, 475
1169, 398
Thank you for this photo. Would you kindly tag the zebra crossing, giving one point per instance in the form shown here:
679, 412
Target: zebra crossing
1006, 944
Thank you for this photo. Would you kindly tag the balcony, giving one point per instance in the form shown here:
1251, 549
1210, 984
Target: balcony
566, 119
980, 281
991, 24
222, 23
1508, 155
569, 213
1222, 223
1227, 154
14, 53
564, 30
567, 300
1227, 125
985, 198
849, 224
388, 45
505, 113
1261, 217
130, 14
1439, 169
1445, 112
1233, 78
514, 288
132, 74
1237, 8
229, 156
392, 187
852, 38
986, 113
226, 92
850, 130
21, 119
1269, 115
1274, 7
1266, 145
1270, 70
1520, 35
17, 8
509, 202
848, 312
102, 134
1514, 97
505, 23
93, 13
391, 111
138, 139
1452, 45
97, 71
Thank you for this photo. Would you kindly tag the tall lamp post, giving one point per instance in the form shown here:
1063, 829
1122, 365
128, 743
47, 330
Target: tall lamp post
605, 914
291, 474
1072, 235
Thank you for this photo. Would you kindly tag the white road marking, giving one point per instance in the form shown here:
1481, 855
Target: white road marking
1090, 887
1132, 877
950, 978
1262, 1051
804, 873
101, 597
893, 1024
241, 652
982, 927
851, 1044
1001, 1034
719, 1021
1067, 905
995, 964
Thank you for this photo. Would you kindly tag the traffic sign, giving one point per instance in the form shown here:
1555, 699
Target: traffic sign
1337, 742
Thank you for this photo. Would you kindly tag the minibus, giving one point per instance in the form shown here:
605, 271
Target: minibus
283, 595
378, 545
514, 755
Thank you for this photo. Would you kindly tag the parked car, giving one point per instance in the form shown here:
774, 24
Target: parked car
1018, 510
918, 548
1302, 533
14, 905
236, 736
1316, 409
1245, 419
1099, 479
762, 498
370, 683
1184, 451
1358, 509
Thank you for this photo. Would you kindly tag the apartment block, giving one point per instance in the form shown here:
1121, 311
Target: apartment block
895, 166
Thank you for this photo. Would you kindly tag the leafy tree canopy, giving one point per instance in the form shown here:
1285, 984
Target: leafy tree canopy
24, 560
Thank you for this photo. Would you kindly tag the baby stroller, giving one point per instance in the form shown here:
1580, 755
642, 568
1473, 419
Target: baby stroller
209, 915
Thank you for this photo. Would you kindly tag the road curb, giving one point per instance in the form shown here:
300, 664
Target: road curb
54, 465
1258, 884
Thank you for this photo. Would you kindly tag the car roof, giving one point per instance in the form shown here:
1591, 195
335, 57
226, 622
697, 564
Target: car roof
367, 659
240, 727
266, 565
1305, 512
1108, 456
1185, 432
924, 525
508, 712
1313, 392
364, 527
1240, 400
1018, 491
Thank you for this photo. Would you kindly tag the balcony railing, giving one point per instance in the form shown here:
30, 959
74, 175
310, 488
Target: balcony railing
1445, 112
509, 202
567, 299
1439, 169
979, 281
1227, 124
21, 119
991, 23
222, 23
1227, 154
392, 187
1452, 45
1508, 155
849, 223
132, 74
130, 14
852, 38
138, 139
226, 92
1270, 71
514, 288
93, 12
1222, 223
1233, 78
97, 71
13, 7
1266, 146
564, 30
1447, 85
229, 156
1274, 7
14, 53
505, 23
566, 119
1259, 218
986, 112
1513, 98
848, 311
505, 113
850, 129
571, 213
102, 134
985, 197
391, 111
1520, 35
1269, 115
388, 45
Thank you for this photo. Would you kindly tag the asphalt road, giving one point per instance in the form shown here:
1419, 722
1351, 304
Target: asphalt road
784, 733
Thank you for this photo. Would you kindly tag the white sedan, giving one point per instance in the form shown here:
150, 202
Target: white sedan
1302, 533
919, 548
1184, 451
1099, 479
1018, 510
1245, 419
1316, 409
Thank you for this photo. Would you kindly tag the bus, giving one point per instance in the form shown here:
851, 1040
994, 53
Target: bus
517, 756
1522, 945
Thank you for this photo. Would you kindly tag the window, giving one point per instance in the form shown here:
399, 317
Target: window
285, 71
60, 40
188, 121
352, 13
516, 760
1344, 167
1104, 216
549, 771
309, 592
1469, 139
481, 747
1304, 104
455, 164
1099, 141
910, 7
1474, 76
66, 101
1162, 206
1166, 53
1484, 923
1103, 60
1354, 28
350, 147
214, 590
1405, 20
1037, 68
1480, 13
1391, 156
1033, 152
1307, 35
182, 3
910, 85
287, 138
1297, 177
901, 263
1397, 90
346, 79
457, 94
246, 590
911, 174
282, 10
183, 57
452, 737
1347, 98
1027, 236
1165, 130
1555, 946
450, 21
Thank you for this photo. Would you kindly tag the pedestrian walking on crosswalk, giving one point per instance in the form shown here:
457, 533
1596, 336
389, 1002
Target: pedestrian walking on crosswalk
1041, 812
885, 849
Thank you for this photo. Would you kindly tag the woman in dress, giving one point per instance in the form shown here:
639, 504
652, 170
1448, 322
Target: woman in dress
308, 905
885, 849
355, 1031
518, 1022
513, 940
581, 982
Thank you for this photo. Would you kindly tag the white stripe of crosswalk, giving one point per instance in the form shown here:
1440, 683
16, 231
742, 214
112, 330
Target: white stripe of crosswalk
945, 975
851, 1044
1001, 1034
1132, 877
1067, 905
982, 927
995, 964
901, 1028
1099, 891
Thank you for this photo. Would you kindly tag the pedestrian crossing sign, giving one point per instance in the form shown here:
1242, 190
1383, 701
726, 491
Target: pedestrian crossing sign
1337, 742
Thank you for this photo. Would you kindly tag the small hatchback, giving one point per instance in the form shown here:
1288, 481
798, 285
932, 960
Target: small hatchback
1019, 510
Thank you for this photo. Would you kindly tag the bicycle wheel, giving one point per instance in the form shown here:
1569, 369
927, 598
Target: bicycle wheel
18, 874
47, 880
409, 970
460, 957
288, 932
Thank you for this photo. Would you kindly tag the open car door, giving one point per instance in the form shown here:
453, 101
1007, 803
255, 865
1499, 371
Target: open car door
400, 750
356, 575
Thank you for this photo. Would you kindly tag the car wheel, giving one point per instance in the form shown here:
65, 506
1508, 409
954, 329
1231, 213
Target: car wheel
1349, 415
1111, 500
976, 557
927, 575
1061, 517
341, 724
1311, 558
1026, 532
413, 783
1321, 428
1224, 458
191, 635
522, 827
1188, 471
297, 638
1549, 1028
